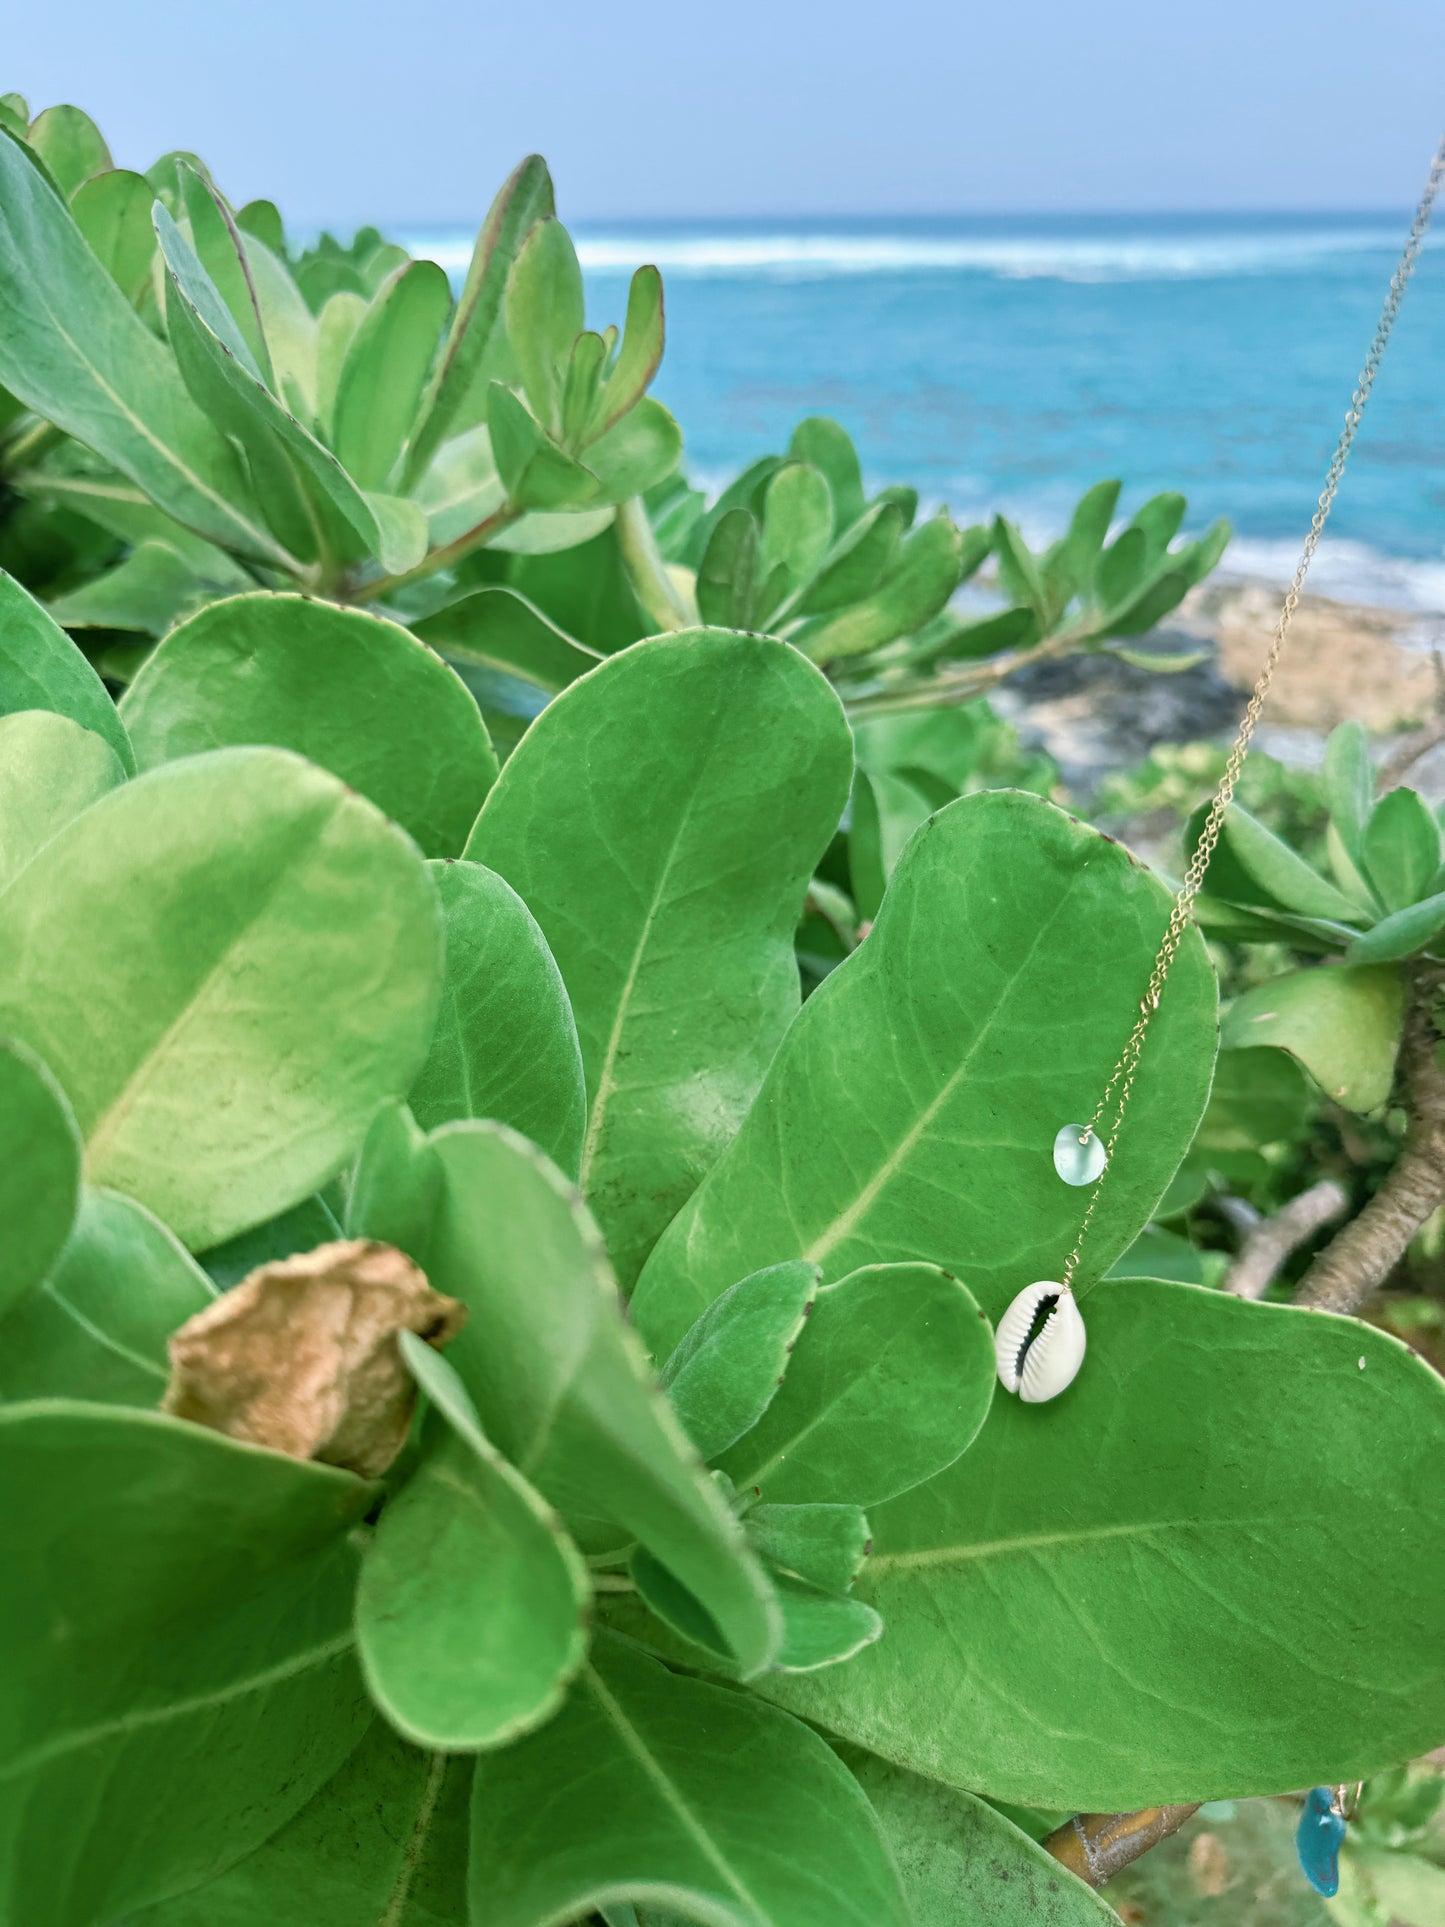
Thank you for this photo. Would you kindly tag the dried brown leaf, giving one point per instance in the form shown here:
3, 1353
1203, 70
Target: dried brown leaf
302, 1356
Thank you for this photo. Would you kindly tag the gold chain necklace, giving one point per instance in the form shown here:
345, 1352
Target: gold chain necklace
1040, 1338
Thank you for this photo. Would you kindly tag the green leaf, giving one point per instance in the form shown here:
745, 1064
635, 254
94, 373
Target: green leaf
75, 351
1342, 1022
222, 254
637, 452
41, 668
821, 1628
962, 1860
381, 381
1401, 848
1159, 520
1401, 934
336, 327
661, 820
910, 1111
1144, 1545
50, 770
229, 964
797, 522
535, 472
1349, 785
617, 1800
351, 692
544, 306
1120, 571
300, 1228
97, 1327
857, 562
214, 369
471, 1613
640, 354
500, 629
293, 333
397, 1184
1078, 553
384, 1841
525, 198
823, 1545
157, 1730
826, 446
579, 389
113, 212
147, 593
39, 1171
1252, 866
505, 1043
1018, 570
71, 146
728, 1366
888, 1384
262, 221
567, 1396
728, 573
922, 578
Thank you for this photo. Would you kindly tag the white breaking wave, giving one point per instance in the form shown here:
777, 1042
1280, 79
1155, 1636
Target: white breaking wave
786, 255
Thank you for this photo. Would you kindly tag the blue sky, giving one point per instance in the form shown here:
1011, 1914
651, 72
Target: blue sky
413, 110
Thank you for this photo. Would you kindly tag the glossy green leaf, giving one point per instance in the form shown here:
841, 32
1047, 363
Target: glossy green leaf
827, 447
524, 199
73, 349
41, 668
300, 1228
357, 695
383, 1842
1078, 552
471, 1615
637, 452
157, 1730
293, 333
963, 1864
640, 353
1400, 848
262, 221
910, 1111
887, 1385
544, 307
616, 1800
1128, 1568
39, 1171
797, 521
50, 770
397, 1183
153, 588
113, 212
380, 385
336, 327
222, 253
1349, 785
728, 571
1159, 520
71, 146
923, 576
728, 1366
534, 470
1341, 1022
500, 629
505, 1043
1120, 572
857, 562
1252, 866
661, 820
1018, 569
821, 1628
823, 1545
97, 1327
1401, 934
229, 964
579, 389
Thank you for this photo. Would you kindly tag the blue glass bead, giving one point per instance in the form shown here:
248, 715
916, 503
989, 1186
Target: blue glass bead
1078, 1162
1317, 1841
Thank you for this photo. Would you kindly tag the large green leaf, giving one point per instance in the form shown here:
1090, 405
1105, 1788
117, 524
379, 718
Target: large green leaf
661, 820
556, 1375
963, 1864
177, 1676
355, 694
228, 963
73, 349
472, 1612
70, 144
383, 1843
50, 770
41, 668
505, 1043
656, 1789
1343, 1023
911, 1111
39, 1171
1125, 1586
97, 1327
888, 1384
380, 385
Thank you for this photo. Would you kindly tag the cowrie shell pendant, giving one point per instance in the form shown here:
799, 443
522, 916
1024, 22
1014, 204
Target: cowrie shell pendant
1079, 1155
1039, 1343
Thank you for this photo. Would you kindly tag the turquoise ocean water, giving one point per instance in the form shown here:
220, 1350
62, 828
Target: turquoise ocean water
1009, 362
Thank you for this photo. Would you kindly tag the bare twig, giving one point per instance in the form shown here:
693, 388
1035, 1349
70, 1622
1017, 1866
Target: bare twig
1361, 1256
1404, 756
1096, 1846
1266, 1244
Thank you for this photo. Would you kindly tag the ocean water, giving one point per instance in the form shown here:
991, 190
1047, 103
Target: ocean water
1007, 363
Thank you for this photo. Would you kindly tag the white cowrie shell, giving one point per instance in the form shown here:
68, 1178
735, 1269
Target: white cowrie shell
1043, 1369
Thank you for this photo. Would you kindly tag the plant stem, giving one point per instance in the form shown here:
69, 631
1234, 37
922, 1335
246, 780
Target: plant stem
646, 570
1096, 1846
963, 685
1266, 1245
453, 551
1361, 1256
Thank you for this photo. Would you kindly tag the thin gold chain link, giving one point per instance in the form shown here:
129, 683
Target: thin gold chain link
1121, 1082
